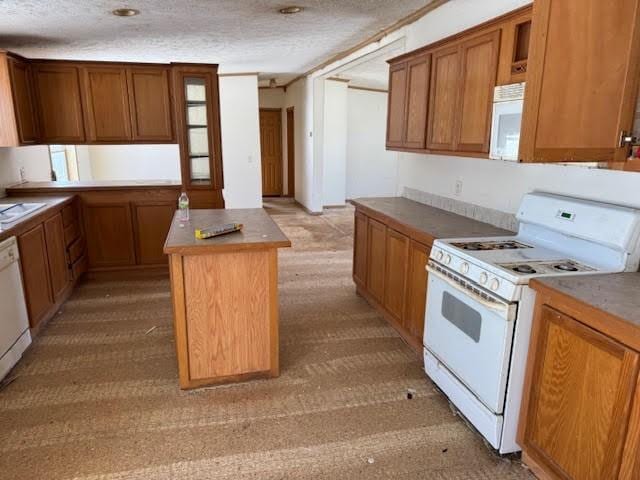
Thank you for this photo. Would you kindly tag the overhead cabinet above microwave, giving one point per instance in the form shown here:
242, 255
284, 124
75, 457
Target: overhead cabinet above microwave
581, 86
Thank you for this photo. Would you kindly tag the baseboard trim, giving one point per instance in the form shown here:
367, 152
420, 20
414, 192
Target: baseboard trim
306, 209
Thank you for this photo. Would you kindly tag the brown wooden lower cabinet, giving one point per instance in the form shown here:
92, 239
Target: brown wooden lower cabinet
109, 231
35, 273
57, 255
581, 412
152, 222
389, 270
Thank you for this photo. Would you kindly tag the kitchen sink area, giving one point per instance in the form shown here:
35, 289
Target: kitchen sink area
12, 212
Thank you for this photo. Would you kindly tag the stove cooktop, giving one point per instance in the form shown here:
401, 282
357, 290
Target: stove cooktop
543, 267
490, 245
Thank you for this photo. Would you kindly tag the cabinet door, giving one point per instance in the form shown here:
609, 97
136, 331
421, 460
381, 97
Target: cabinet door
57, 255
150, 103
580, 399
443, 99
23, 101
107, 115
35, 274
360, 249
416, 296
376, 259
396, 105
152, 222
397, 260
418, 71
109, 234
581, 83
59, 103
479, 67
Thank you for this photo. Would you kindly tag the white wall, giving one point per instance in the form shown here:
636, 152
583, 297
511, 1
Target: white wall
495, 184
276, 98
240, 141
126, 162
372, 171
334, 164
34, 161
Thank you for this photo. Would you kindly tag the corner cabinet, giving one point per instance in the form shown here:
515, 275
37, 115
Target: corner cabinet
197, 111
17, 103
582, 84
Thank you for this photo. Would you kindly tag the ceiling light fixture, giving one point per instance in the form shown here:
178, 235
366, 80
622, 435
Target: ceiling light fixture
290, 10
125, 12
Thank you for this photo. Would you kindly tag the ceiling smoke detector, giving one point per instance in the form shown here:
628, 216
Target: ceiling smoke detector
125, 12
290, 10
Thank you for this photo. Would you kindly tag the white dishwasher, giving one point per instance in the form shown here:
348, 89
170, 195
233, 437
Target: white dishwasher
14, 322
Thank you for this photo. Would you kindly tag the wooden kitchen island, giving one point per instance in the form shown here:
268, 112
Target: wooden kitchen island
225, 297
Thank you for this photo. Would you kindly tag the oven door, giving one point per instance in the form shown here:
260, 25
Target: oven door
470, 332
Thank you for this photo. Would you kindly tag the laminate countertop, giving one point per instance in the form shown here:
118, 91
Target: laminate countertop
614, 295
430, 222
259, 232
79, 186
16, 228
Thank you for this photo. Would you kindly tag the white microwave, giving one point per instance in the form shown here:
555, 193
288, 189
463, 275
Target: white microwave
505, 125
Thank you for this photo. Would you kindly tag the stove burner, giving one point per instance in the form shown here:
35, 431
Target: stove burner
490, 245
524, 268
566, 267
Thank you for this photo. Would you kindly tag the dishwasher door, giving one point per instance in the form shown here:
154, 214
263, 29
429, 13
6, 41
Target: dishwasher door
14, 322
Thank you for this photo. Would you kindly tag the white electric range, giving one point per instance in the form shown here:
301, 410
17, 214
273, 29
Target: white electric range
480, 308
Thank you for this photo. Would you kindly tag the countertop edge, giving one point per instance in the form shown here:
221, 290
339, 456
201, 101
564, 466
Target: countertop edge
226, 247
27, 189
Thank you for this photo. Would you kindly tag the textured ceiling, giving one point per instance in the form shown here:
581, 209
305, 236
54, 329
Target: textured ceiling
240, 35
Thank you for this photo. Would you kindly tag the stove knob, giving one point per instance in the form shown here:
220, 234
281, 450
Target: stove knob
495, 284
439, 255
464, 268
447, 260
483, 278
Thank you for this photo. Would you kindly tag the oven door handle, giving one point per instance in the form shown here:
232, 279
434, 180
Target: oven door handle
507, 310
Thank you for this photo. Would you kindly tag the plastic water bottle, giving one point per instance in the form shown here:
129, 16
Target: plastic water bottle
183, 207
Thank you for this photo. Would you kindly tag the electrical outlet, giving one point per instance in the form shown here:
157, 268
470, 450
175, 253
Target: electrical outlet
23, 175
458, 189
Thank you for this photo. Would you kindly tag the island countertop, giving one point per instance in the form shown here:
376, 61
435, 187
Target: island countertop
259, 232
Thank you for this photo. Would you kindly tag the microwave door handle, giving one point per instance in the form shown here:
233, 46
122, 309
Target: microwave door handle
502, 308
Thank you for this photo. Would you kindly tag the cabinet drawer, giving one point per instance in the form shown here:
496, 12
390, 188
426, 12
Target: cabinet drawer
76, 250
71, 233
69, 214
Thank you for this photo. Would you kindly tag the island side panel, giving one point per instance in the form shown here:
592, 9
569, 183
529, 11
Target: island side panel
179, 319
228, 303
274, 313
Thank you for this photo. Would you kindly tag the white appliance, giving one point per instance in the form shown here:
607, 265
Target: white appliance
480, 308
505, 125
14, 323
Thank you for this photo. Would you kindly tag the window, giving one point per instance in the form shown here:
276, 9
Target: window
64, 162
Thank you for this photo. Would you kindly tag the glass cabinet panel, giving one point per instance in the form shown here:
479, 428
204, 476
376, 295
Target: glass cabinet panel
197, 130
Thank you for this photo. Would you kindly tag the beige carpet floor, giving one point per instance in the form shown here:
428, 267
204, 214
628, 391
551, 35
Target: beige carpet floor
97, 398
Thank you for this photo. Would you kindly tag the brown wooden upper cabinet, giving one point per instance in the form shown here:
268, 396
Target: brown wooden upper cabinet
150, 104
582, 81
396, 105
443, 100
17, 104
59, 103
107, 115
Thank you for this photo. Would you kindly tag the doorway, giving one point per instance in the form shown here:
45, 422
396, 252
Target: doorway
271, 148
291, 155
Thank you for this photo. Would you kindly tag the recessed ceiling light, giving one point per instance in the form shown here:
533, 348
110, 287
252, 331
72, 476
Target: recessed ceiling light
125, 12
290, 10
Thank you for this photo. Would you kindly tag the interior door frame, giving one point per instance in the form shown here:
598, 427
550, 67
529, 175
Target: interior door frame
280, 194
291, 152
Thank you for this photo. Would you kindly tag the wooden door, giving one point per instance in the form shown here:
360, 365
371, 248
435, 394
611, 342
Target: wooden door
581, 389
291, 154
397, 262
57, 255
360, 249
443, 98
581, 82
376, 258
416, 296
107, 115
59, 103
478, 79
396, 103
418, 71
150, 104
152, 222
24, 101
271, 148
109, 234
35, 274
